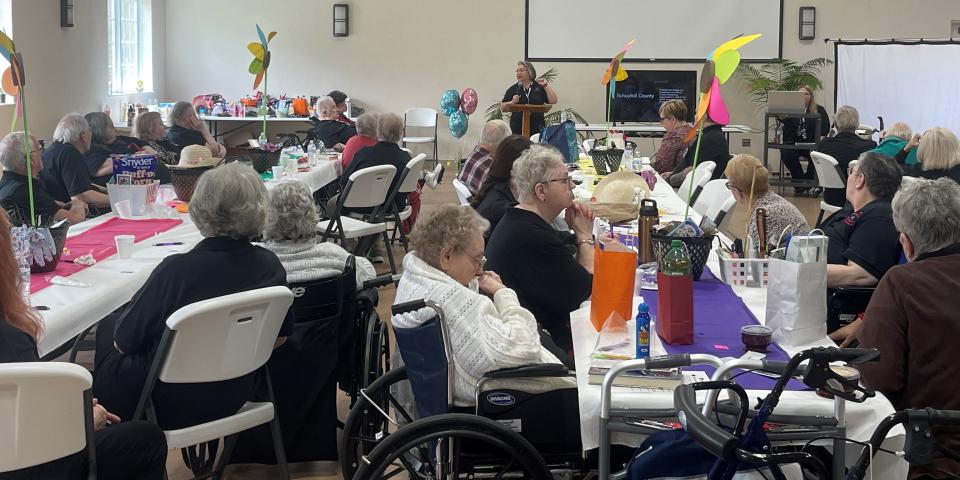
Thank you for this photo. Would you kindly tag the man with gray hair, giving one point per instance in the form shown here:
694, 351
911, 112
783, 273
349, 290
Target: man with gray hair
477, 165
65, 170
912, 316
15, 192
845, 147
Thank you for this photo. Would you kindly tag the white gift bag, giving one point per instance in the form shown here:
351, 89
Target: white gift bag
797, 301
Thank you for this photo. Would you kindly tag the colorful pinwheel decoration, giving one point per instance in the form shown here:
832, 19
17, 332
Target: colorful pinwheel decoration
13, 82
258, 66
615, 73
720, 65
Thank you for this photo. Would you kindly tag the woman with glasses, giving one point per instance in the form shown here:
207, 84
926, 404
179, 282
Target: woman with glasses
489, 330
673, 117
749, 183
551, 271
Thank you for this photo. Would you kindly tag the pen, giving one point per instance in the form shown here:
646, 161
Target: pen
167, 244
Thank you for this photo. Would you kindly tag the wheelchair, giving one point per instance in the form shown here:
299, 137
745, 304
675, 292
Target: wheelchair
508, 431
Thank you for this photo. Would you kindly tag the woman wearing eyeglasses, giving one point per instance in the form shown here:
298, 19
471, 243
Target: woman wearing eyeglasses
489, 330
749, 183
673, 117
551, 271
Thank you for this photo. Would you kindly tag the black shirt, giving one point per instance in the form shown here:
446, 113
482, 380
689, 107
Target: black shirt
951, 173
536, 95
713, 148
844, 147
495, 203
381, 153
15, 192
332, 132
16, 345
868, 238
536, 262
804, 130
65, 171
182, 136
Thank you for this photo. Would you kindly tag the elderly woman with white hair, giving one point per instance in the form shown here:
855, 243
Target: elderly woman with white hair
897, 142
187, 129
489, 329
912, 316
229, 209
846, 146
291, 233
329, 130
386, 151
551, 271
938, 154
15, 193
366, 137
65, 172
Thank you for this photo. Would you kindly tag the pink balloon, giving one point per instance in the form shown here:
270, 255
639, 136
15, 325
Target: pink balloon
468, 101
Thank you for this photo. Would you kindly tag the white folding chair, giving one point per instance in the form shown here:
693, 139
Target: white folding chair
535, 138
420, 118
406, 184
463, 193
699, 178
722, 212
829, 176
588, 144
711, 196
366, 188
708, 166
218, 339
46, 410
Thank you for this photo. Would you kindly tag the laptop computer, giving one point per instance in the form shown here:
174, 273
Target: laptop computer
786, 102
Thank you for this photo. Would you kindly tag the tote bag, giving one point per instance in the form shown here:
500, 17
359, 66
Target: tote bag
563, 136
797, 301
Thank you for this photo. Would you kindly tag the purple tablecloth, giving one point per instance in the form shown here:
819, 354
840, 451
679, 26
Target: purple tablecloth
718, 314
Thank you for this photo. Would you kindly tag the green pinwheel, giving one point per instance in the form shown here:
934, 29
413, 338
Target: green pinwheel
258, 66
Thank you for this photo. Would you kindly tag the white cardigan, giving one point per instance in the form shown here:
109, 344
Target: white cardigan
486, 334
313, 261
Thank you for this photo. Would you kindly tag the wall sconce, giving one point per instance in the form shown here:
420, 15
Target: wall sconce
341, 20
808, 23
66, 13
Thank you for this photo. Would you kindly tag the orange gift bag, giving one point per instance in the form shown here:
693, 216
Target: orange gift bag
614, 273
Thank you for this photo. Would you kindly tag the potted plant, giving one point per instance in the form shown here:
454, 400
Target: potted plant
780, 74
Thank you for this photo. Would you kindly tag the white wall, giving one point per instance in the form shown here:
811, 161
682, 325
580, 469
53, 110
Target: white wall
66, 68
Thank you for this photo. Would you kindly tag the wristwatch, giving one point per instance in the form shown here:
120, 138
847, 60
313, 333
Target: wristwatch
588, 241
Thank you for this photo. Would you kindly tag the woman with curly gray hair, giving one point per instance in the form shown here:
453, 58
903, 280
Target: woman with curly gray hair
229, 208
291, 233
489, 330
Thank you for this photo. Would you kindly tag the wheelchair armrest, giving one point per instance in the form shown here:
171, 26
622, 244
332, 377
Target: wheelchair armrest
381, 281
532, 370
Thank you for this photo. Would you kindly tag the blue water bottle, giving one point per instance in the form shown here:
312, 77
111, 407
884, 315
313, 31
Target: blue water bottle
643, 331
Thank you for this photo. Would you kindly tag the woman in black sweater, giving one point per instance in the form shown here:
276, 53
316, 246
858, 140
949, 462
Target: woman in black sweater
496, 193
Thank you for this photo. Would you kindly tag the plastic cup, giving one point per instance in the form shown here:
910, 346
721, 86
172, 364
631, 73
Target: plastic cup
124, 245
123, 209
277, 172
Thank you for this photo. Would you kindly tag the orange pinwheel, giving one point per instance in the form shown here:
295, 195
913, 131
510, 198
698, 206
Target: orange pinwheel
614, 69
261, 56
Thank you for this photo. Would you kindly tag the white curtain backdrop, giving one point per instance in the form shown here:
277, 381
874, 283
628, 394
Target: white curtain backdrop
916, 84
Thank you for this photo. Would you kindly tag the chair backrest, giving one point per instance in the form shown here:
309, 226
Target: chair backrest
427, 358
368, 187
699, 178
325, 298
463, 193
535, 138
709, 166
224, 337
412, 174
588, 144
43, 407
721, 217
420, 117
711, 196
828, 170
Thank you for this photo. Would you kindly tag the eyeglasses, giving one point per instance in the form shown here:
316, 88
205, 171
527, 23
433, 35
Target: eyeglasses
664, 118
481, 261
568, 180
729, 186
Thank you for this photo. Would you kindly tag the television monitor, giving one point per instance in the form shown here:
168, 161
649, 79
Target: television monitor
639, 97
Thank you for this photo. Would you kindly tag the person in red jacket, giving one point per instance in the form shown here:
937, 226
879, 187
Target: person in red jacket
366, 137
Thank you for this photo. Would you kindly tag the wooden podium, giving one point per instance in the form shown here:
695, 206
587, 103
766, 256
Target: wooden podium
526, 110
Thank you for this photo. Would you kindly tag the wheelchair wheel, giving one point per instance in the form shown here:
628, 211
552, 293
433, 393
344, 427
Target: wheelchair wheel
442, 446
366, 425
376, 353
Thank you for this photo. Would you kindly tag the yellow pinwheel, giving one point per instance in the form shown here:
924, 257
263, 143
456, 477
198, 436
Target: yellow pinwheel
261, 57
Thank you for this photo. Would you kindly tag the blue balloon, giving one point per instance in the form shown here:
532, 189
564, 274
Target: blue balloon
458, 124
449, 102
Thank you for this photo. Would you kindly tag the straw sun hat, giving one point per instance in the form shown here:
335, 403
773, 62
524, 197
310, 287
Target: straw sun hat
193, 156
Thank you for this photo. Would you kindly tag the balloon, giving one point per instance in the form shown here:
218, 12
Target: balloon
468, 101
449, 102
458, 124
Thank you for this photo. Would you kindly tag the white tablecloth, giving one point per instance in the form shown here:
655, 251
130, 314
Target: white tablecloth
861, 418
113, 282
324, 172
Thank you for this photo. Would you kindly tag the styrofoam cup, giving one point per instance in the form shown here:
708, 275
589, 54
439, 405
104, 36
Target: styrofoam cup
124, 245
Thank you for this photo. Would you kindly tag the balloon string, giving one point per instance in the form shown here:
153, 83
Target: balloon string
696, 156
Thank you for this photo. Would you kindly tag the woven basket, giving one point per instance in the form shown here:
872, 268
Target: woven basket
606, 161
697, 247
59, 235
262, 160
185, 179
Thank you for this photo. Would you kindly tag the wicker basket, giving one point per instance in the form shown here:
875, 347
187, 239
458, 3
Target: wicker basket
262, 160
697, 247
606, 161
59, 235
185, 179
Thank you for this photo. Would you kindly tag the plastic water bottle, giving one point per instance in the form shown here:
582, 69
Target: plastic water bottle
312, 154
676, 262
643, 331
320, 146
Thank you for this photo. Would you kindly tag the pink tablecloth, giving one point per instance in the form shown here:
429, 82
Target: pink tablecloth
99, 242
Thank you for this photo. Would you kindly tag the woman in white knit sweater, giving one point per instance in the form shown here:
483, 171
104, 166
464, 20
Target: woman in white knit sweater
489, 330
291, 233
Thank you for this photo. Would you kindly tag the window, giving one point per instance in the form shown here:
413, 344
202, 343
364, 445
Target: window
129, 46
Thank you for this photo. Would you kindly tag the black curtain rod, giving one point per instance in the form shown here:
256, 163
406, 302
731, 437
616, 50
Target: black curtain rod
892, 40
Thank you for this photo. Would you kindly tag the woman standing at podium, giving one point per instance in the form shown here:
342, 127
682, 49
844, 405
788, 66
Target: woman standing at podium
529, 90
